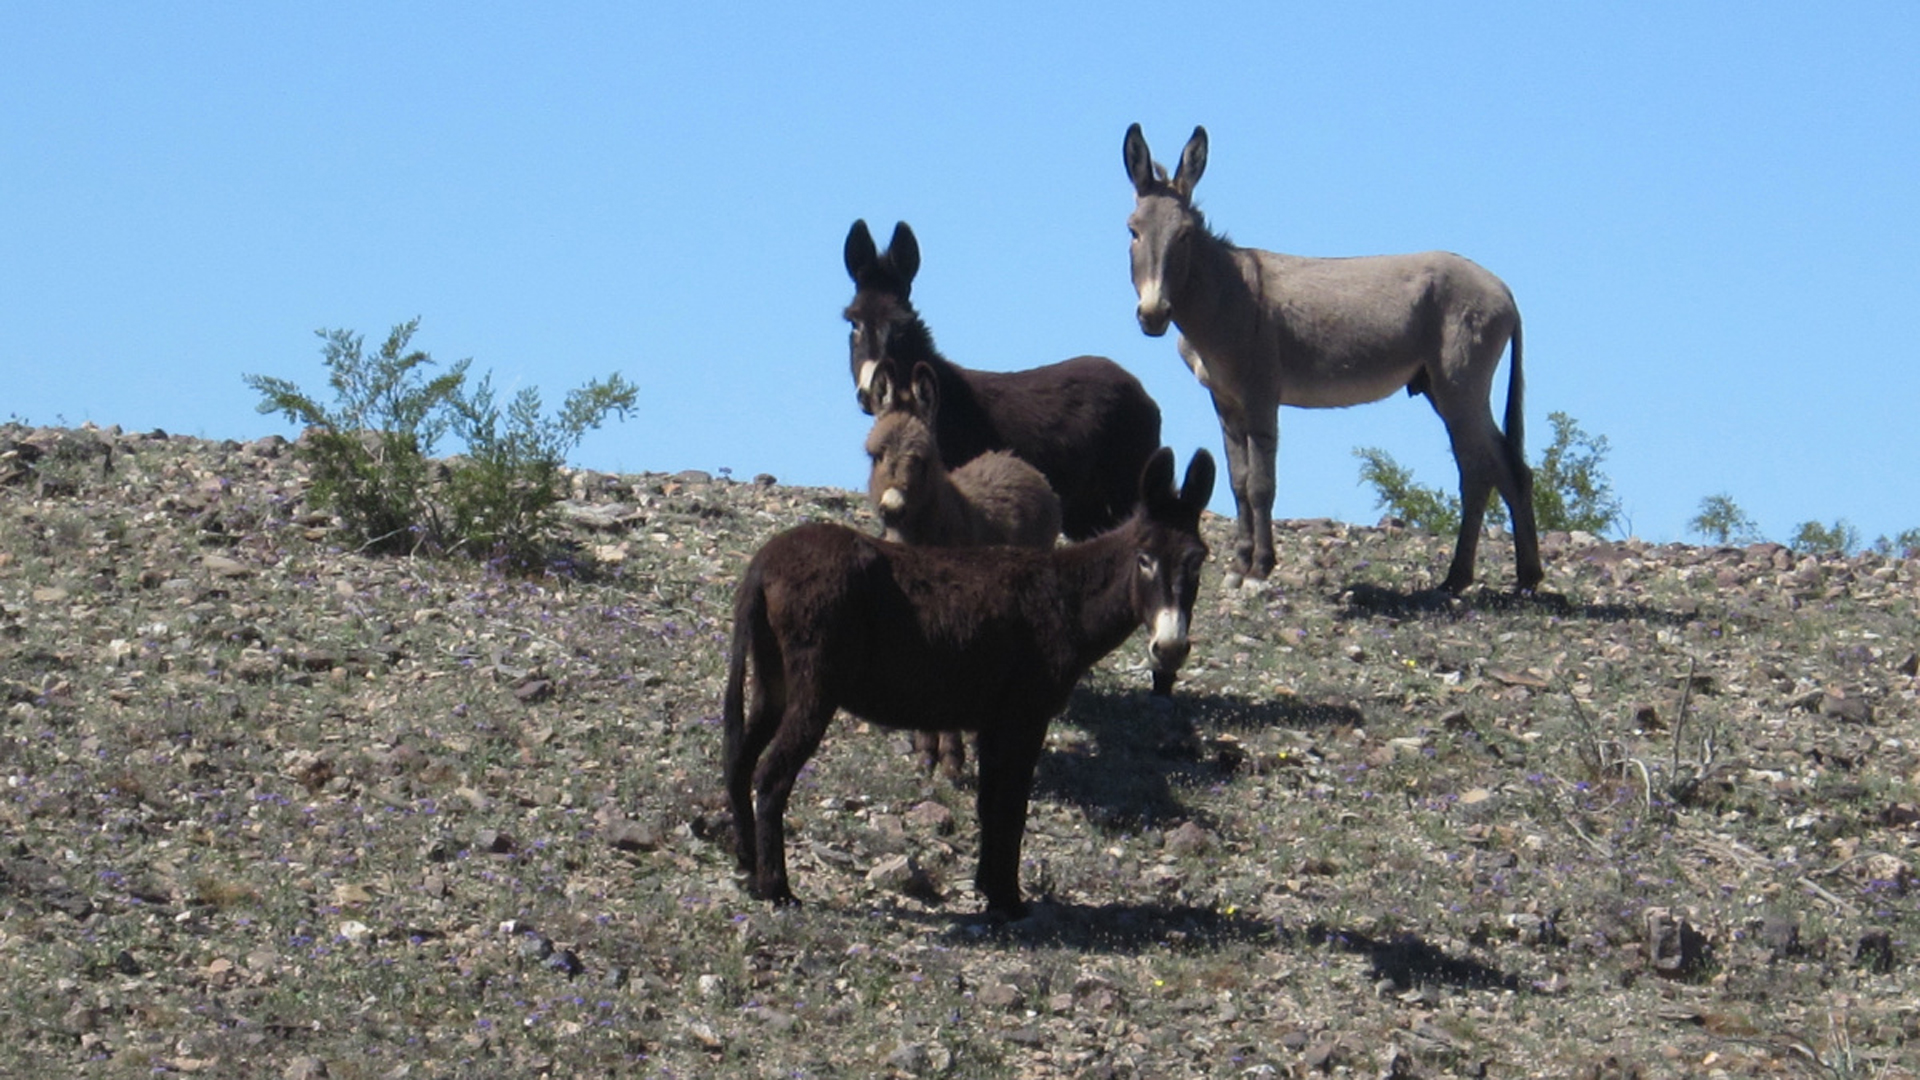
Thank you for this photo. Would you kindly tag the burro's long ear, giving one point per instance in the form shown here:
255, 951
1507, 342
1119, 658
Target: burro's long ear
1156, 481
1139, 160
1198, 488
884, 389
1193, 162
903, 252
860, 252
926, 393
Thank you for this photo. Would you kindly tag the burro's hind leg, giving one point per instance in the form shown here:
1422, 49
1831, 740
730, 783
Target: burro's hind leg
941, 751
766, 701
1486, 465
802, 725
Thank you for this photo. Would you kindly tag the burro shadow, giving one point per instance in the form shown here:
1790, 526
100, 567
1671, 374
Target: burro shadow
1141, 753
1405, 960
1370, 600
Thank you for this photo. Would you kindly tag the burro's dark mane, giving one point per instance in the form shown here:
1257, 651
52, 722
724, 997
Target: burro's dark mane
987, 640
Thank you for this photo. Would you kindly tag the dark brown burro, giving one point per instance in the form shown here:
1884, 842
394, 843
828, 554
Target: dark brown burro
1261, 329
988, 640
1086, 423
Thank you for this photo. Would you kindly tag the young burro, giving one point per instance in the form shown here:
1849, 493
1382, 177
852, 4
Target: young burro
988, 640
994, 499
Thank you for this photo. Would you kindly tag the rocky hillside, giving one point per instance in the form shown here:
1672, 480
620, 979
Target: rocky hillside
276, 808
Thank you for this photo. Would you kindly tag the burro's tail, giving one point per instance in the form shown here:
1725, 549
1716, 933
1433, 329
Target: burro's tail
1516, 421
749, 622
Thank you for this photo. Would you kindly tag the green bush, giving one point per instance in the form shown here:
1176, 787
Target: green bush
1904, 544
371, 452
1416, 504
1569, 490
1813, 538
1721, 521
496, 497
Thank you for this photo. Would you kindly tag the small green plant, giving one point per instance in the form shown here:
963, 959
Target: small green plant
371, 452
1721, 521
497, 498
1904, 544
1569, 490
1396, 492
1813, 538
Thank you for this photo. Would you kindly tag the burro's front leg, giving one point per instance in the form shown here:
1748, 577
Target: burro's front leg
1251, 446
1235, 440
1263, 446
1007, 758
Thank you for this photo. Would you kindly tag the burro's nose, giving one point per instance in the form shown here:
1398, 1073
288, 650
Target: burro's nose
1153, 310
1168, 645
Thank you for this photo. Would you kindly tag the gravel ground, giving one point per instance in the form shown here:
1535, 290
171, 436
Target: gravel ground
275, 808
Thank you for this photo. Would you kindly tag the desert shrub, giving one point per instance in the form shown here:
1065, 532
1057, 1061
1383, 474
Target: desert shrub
1396, 492
1904, 544
1721, 521
371, 452
1569, 489
1813, 538
497, 497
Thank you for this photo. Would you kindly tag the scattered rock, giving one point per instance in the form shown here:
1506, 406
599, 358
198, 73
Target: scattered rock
222, 567
632, 835
1875, 952
1189, 839
931, 817
1853, 710
305, 1068
1675, 949
493, 841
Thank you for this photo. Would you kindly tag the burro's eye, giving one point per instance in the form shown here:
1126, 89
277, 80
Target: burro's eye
1149, 565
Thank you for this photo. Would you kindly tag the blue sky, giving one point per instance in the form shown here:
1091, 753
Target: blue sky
1709, 213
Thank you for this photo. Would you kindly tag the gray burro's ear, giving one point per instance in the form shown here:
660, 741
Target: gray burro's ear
1193, 162
1139, 160
860, 252
903, 251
